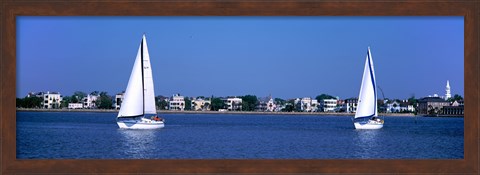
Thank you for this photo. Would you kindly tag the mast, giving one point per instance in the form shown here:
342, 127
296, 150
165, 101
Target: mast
143, 79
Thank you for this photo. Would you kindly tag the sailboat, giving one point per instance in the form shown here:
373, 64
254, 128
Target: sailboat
137, 110
366, 114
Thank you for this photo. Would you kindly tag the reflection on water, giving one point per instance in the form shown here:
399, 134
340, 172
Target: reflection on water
138, 144
366, 142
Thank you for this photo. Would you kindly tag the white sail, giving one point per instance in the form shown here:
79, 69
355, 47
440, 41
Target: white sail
367, 99
132, 104
139, 98
149, 93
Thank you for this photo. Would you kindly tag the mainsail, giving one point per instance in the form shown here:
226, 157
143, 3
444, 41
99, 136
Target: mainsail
367, 99
139, 97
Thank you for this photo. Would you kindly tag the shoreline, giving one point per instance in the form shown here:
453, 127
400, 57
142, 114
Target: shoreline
218, 112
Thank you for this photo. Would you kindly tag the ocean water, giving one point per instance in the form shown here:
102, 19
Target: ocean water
89, 135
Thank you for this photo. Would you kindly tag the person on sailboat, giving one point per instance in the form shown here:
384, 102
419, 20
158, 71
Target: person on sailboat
377, 119
156, 118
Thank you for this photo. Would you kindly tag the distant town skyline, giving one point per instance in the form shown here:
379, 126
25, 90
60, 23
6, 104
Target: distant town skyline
286, 57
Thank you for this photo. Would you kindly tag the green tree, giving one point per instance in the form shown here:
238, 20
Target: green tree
78, 96
161, 103
249, 102
289, 106
32, 102
324, 96
456, 97
105, 101
279, 101
65, 101
94, 93
188, 103
217, 104
412, 101
20, 103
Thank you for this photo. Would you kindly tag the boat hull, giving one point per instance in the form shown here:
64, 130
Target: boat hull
368, 125
134, 124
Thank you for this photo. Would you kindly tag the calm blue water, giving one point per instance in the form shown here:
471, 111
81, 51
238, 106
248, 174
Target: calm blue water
83, 135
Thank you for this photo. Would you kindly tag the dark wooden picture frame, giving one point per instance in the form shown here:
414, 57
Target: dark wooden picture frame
470, 10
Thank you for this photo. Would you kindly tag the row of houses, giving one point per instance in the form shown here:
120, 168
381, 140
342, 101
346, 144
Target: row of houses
425, 106
306, 104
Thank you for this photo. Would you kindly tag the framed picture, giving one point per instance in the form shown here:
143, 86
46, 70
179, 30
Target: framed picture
17, 12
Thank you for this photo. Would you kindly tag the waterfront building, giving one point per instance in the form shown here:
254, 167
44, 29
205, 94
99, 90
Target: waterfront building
393, 106
314, 105
456, 108
89, 102
340, 102
118, 100
75, 105
453, 110
447, 91
51, 100
233, 103
200, 104
457, 103
266, 104
262, 104
328, 105
306, 104
431, 105
350, 105
177, 103
340, 105
405, 106
271, 106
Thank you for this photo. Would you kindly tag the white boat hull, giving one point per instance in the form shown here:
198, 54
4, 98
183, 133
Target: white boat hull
140, 124
368, 125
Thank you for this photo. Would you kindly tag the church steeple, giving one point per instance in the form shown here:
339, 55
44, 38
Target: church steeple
447, 89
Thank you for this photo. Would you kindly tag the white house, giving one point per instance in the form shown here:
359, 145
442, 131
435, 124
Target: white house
75, 105
50, 99
406, 107
200, 104
306, 104
89, 101
233, 104
350, 105
393, 106
328, 105
177, 103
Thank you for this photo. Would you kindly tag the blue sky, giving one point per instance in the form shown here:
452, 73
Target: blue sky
287, 57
